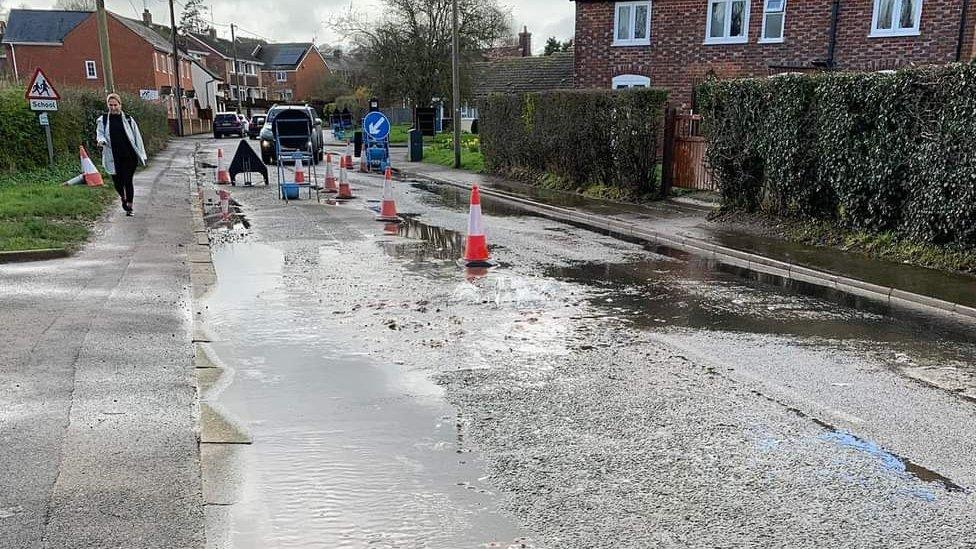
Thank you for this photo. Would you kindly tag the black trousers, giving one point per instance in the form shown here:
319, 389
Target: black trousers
124, 170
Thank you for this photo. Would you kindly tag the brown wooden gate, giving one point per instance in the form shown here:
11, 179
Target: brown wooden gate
688, 169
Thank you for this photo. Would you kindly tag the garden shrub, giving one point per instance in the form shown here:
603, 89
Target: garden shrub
580, 138
873, 151
73, 124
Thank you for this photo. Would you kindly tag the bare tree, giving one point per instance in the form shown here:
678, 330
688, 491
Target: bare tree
76, 5
192, 18
409, 51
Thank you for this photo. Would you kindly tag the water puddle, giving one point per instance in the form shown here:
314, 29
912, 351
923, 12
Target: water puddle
348, 451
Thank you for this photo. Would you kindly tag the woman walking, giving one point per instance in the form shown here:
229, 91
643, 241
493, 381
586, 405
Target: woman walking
122, 150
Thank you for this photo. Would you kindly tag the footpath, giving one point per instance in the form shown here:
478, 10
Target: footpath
98, 414
683, 226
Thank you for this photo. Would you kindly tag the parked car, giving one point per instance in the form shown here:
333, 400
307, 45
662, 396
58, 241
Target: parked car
298, 118
254, 127
226, 123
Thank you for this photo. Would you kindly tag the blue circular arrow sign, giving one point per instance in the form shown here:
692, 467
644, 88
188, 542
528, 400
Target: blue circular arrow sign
376, 125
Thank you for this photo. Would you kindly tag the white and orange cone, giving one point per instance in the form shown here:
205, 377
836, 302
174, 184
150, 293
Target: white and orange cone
92, 177
330, 179
388, 210
476, 247
363, 166
223, 178
347, 160
345, 191
299, 172
224, 196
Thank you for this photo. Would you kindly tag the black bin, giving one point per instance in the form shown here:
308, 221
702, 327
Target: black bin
357, 143
415, 139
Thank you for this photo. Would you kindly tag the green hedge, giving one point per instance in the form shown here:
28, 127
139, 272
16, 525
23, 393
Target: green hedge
73, 124
876, 152
584, 138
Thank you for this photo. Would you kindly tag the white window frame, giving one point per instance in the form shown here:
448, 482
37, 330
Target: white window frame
279, 75
156, 61
633, 20
91, 70
762, 32
895, 30
627, 81
726, 39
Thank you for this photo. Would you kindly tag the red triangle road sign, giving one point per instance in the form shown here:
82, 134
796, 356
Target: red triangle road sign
41, 88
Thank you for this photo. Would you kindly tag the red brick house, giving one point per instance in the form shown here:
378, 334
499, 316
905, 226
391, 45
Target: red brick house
292, 71
65, 45
674, 44
243, 81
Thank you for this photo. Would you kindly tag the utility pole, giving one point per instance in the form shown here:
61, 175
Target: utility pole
102, 20
456, 69
237, 71
178, 90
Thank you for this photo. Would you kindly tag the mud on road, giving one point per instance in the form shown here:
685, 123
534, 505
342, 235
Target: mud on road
588, 392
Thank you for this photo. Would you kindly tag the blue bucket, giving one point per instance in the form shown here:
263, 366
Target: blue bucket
289, 191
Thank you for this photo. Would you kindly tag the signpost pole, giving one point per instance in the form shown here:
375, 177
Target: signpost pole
50, 144
176, 72
103, 44
456, 70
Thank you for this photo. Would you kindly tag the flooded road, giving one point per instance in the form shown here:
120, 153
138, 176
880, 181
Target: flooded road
588, 392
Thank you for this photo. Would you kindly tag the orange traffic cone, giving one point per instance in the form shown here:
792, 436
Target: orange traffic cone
92, 177
476, 248
223, 178
363, 167
299, 172
345, 192
388, 210
330, 180
348, 158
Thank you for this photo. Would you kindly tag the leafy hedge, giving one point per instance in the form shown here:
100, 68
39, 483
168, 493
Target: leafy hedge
876, 152
23, 141
584, 138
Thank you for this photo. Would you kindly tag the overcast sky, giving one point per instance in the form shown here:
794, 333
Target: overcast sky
303, 20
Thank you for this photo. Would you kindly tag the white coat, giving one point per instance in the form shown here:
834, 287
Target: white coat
131, 130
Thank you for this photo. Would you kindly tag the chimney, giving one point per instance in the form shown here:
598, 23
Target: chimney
212, 32
525, 42
147, 17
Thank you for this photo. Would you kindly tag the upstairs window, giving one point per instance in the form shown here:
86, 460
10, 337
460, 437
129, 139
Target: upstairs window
281, 76
774, 21
728, 22
896, 17
632, 24
90, 71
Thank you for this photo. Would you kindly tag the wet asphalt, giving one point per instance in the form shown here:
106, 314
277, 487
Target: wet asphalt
587, 392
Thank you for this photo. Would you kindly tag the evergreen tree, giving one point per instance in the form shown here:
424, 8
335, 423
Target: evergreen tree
192, 18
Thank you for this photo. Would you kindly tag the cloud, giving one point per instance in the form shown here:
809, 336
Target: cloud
302, 20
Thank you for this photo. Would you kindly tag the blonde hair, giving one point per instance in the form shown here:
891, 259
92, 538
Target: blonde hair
114, 96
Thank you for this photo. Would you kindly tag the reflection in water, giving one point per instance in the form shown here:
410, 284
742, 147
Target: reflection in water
348, 451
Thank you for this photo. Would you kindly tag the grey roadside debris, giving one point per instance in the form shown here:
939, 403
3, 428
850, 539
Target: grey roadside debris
98, 412
683, 225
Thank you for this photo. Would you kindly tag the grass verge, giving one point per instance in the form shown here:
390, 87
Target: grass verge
441, 152
884, 246
36, 212
398, 133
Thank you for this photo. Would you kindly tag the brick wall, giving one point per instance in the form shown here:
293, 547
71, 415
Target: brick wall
275, 88
311, 72
936, 44
678, 58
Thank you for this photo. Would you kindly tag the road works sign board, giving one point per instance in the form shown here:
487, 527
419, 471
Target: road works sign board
376, 125
41, 93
